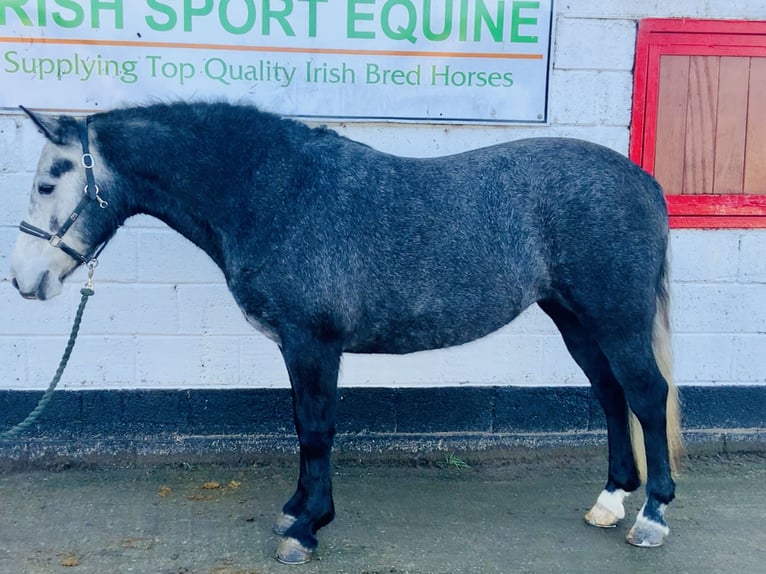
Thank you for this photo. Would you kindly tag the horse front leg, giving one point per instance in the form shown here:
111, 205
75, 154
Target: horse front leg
313, 368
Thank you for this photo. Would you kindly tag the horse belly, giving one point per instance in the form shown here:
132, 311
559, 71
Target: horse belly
408, 333
445, 301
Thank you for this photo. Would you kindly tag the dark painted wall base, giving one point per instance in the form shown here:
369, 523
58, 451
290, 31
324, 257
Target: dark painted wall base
81, 424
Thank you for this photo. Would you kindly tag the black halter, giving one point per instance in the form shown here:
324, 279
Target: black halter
90, 193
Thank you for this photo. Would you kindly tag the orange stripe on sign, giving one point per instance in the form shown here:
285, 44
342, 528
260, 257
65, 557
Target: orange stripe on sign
240, 48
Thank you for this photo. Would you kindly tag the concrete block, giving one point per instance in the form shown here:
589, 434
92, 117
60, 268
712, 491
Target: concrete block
367, 410
167, 257
143, 221
13, 358
10, 137
558, 367
29, 142
20, 318
414, 370
702, 358
749, 358
577, 37
704, 255
461, 410
96, 362
7, 241
185, 362
752, 256
542, 410
718, 308
219, 362
117, 264
495, 360
240, 411
532, 321
723, 407
15, 192
590, 97
131, 310
210, 310
261, 364
733, 9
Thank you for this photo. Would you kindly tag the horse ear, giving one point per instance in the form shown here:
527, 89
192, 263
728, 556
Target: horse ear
58, 129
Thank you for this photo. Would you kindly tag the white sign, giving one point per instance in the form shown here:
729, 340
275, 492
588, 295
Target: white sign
409, 60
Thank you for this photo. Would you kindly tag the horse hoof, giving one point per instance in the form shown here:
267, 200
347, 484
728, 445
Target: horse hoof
647, 533
601, 517
284, 522
608, 510
292, 552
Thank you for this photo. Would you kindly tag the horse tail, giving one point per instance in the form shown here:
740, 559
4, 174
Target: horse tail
664, 357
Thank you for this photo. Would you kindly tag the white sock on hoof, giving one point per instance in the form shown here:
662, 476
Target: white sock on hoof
608, 510
647, 532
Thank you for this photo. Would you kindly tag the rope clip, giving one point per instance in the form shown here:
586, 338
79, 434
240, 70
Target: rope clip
92, 264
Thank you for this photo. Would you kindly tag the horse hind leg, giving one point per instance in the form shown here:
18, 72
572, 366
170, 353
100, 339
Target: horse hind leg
651, 397
623, 475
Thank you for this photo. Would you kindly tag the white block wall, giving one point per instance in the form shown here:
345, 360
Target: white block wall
162, 317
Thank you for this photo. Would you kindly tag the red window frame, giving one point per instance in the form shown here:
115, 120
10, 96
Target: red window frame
689, 37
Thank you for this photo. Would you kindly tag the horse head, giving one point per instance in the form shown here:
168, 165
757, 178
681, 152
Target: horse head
64, 224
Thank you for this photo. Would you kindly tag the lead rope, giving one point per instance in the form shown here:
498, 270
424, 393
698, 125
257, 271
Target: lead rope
86, 293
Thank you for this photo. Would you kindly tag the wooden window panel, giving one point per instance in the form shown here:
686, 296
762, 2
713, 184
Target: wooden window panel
731, 128
671, 113
755, 149
699, 160
708, 152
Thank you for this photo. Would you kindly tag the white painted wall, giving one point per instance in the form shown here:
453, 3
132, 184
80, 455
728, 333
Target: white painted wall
162, 317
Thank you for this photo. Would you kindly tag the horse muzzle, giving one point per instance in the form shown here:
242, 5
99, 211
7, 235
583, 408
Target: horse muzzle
41, 288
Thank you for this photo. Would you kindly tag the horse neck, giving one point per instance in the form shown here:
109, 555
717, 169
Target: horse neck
200, 183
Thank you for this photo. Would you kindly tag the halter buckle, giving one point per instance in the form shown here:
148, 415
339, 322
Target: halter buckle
55, 240
87, 161
102, 203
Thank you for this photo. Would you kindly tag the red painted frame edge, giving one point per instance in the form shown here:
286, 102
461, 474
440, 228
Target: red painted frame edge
653, 39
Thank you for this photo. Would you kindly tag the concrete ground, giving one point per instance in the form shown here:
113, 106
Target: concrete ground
393, 517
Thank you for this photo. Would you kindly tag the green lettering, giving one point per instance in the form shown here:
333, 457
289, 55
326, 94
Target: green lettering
278, 15
463, 31
354, 16
427, 29
518, 20
42, 13
16, 6
78, 14
190, 11
97, 5
482, 15
223, 15
402, 32
9, 57
313, 16
169, 24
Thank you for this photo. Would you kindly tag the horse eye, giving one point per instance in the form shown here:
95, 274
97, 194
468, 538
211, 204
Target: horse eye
45, 188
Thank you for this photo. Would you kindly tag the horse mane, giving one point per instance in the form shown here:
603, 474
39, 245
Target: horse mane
177, 114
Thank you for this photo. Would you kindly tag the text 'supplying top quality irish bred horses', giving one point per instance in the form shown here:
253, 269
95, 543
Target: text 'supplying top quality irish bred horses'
330, 246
